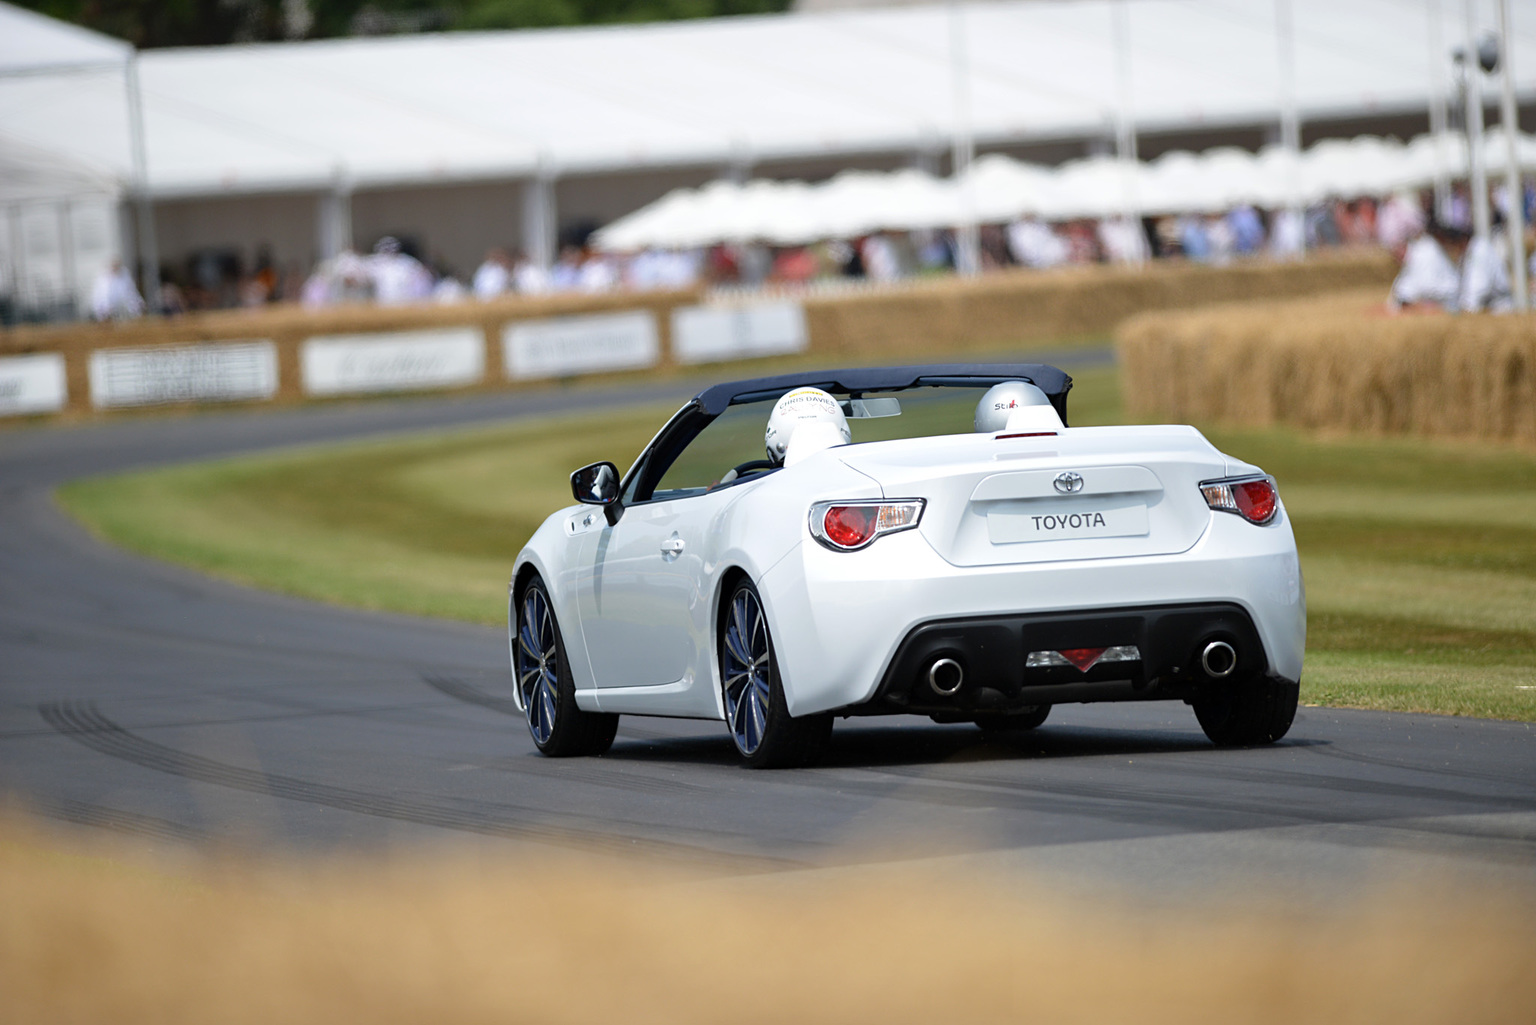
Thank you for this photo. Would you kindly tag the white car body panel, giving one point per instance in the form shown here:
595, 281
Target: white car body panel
638, 601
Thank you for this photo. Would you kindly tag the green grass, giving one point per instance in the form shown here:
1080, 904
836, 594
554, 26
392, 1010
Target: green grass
1419, 557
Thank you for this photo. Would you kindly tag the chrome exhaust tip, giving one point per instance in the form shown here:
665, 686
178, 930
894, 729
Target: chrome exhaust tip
1218, 660
945, 676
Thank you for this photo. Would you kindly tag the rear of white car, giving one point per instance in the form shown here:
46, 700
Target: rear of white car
1089, 564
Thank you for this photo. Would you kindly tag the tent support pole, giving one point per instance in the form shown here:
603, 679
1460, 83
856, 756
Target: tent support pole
1125, 125
539, 218
1510, 118
967, 236
1478, 173
1438, 119
1290, 117
334, 210
148, 249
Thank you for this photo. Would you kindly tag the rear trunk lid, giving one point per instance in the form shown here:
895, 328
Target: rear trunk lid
1084, 493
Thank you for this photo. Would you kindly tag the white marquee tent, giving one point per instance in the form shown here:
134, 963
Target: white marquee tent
1003, 189
58, 213
507, 104
343, 117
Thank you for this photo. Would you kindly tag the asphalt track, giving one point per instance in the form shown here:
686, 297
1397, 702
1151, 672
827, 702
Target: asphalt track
179, 710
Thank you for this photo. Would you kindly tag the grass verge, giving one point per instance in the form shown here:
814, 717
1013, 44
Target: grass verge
1419, 556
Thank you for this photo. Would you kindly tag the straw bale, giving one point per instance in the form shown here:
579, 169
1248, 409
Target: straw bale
1337, 362
1013, 307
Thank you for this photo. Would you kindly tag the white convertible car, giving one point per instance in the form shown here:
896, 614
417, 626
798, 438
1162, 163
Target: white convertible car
928, 540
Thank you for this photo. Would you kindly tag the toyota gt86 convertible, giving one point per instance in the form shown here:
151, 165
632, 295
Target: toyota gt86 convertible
930, 540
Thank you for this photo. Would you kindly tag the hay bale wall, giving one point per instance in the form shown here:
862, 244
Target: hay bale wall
1337, 362
1012, 307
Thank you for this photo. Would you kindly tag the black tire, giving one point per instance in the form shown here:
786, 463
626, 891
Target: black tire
543, 679
1247, 713
756, 714
1014, 723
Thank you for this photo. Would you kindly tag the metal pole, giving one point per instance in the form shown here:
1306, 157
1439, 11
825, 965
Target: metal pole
1290, 118
1125, 124
335, 212
967, 238
1510, 119
1438, 119
149, 251
539, 217
1478, 177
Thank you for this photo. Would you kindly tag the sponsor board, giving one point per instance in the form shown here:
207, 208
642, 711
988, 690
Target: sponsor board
565, 346
205, 372
32, 384
709, 334
392, 361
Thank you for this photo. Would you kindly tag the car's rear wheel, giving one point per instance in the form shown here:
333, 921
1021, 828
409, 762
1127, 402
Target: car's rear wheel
1258, 711
1013, 722
766, 735
544, 683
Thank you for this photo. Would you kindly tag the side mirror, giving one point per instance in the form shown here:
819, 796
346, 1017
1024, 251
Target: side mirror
598, 484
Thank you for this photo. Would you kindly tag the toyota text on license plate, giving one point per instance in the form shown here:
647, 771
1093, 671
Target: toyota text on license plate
1065, 521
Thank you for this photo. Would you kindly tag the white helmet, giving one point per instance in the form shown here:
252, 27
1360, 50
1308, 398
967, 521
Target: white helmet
1002, 400
803, 406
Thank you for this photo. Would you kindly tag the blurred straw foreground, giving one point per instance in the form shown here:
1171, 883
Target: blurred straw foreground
556, 937
1334, 363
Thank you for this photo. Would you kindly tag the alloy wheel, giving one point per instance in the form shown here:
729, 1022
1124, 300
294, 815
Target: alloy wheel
538, 664
746, 667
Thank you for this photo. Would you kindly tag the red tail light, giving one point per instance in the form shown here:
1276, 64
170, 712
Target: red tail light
1255, 499
849, 526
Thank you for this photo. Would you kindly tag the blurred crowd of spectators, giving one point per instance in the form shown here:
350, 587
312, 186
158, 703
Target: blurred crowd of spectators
396, 273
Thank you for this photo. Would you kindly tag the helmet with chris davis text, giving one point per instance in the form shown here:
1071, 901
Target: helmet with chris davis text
810, 413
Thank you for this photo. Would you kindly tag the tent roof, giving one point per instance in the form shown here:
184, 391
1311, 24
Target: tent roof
467, 106
31, 43
28, 174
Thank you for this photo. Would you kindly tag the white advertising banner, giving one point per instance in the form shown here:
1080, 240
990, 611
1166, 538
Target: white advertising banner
392, 361
207, 372
564, 346
709, 334
32, 384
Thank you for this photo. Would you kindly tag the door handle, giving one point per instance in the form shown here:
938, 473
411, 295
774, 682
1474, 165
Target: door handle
673, 546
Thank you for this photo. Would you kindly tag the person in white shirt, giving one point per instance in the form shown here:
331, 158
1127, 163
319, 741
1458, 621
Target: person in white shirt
1032, 243
1430, 278
1288, 235
1485, 275
529, 278
114, 296
1399, 221
398, 277
880, 260
598, 273
494, 276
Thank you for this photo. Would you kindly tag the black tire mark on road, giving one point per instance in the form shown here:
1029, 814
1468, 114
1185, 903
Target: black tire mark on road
82, 813
471, 695
83, 723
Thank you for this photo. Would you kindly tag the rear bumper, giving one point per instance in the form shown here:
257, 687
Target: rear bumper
991, 652
840, 619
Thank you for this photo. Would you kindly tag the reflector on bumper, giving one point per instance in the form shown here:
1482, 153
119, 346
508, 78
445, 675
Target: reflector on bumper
1083, 659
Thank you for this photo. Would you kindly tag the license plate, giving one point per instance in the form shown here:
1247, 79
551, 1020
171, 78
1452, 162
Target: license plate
1065, 521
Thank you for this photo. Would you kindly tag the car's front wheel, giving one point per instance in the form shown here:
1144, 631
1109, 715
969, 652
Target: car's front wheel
766, 735
544, 684
1256, 711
